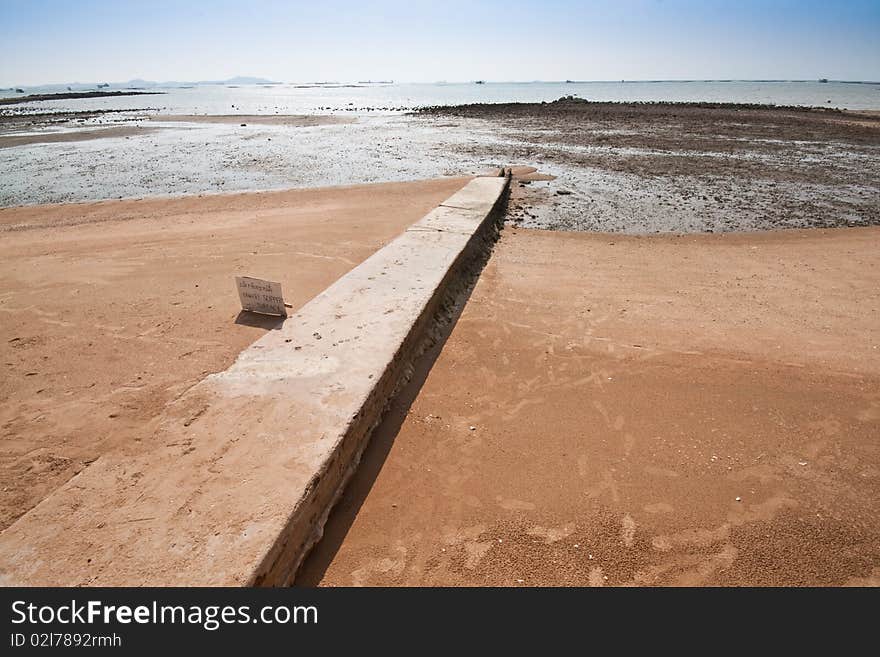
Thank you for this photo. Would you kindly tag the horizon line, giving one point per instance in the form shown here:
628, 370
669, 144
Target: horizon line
269, 82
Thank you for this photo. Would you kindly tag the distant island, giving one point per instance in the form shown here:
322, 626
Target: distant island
135, 84
70, 95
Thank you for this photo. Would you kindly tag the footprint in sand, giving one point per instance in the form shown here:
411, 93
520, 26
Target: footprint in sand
383, 566
607, 485
475, 551
709, 566
454, 536
870, 414
552, 534
872, 579
509, 504
689, 538
659, 507
628, 530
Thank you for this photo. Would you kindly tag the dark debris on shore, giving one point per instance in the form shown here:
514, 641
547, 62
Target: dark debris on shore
683, 167
73, 95
681, 121
569, 102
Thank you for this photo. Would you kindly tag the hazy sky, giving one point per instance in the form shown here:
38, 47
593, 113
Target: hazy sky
54, 41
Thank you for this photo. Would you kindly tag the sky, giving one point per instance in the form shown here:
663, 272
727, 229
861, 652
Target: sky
59, 41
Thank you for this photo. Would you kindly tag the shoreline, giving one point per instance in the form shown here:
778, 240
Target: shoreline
135, 206
617, 168
669, 104
120, 131
641, 168
291, 120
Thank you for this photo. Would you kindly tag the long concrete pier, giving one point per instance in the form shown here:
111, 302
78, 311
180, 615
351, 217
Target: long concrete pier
247, 464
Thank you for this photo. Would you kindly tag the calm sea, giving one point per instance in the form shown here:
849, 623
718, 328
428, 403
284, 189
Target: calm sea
326, 98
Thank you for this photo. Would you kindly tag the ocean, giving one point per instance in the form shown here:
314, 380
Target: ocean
328, 98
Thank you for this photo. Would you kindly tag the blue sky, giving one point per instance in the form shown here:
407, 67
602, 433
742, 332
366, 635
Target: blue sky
54, 41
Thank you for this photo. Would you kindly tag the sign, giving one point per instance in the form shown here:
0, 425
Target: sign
260, 296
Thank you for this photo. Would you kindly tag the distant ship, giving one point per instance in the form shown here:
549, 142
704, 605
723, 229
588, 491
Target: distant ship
103, 86
823, 80
479, 82
569, 81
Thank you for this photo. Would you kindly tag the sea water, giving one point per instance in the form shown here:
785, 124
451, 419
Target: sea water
332, 98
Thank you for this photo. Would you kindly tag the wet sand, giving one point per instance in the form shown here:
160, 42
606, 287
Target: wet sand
625, 168
619, 410
9, 141
291, 120
111, 310
39, 135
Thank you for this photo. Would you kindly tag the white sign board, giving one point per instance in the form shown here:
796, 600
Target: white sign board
260, 296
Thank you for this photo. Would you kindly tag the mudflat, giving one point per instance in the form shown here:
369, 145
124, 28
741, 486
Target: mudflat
111, 310
290, 120
10, 141
35, 125
684, 167
622, 410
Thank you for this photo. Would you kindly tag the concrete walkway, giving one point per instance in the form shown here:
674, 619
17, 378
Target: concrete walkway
247, 463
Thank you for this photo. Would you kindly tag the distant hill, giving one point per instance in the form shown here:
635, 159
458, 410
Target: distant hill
239, 79
247, 80
69, 95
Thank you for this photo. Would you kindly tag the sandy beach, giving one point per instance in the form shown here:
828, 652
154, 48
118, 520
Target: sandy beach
325, 320
625, 399
112, 310
616, 410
